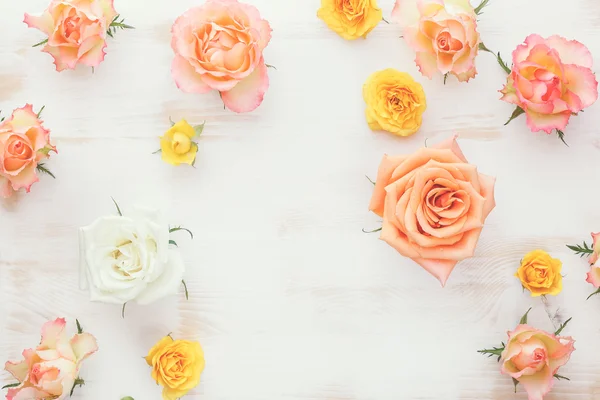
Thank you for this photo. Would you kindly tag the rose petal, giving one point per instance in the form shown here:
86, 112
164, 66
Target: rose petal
248, 94
405, 12
386, 168
582, 82
51, 332
547, 122
593, 276
571, 51
44, 23
452, 144
539, 384
427, 64
186, 78
441, 269
91, 52
167, 284
83, 345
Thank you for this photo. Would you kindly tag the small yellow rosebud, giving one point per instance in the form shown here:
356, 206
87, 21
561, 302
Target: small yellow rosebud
540, 273
177, 146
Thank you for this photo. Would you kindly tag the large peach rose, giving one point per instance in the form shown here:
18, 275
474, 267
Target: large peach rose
532, 357
76, 30
50, 371
551, 80
24, 142
433, 204
443, 33
219, 46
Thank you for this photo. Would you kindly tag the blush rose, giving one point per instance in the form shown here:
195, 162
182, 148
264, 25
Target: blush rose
593, 275
76, 30
551, 79
433, 204
219, 46
443, 33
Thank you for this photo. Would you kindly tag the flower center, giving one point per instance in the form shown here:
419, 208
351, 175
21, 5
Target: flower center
181, 143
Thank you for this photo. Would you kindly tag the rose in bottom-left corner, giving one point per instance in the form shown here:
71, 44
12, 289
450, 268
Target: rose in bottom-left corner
51, 370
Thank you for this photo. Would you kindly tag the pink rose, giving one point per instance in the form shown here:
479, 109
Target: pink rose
551, 80
219, 46
532, 357
23, 143
443, 33
593, 276
51, 369
76, 30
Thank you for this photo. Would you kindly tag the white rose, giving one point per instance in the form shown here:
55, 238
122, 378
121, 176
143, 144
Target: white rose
128, 258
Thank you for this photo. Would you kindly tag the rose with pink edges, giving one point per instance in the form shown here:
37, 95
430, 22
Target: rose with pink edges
51, 370
77, 31
593, 276
24, 143
219, 46
550, 81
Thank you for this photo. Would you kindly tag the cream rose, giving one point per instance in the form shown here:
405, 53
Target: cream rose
125, 258
433, 204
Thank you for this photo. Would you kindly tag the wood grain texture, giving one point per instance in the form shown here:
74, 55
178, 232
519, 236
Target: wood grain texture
290, 300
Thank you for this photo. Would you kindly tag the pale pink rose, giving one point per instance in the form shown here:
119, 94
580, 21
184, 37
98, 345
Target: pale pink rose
443, 33
551, 80
50, 371
76, 31
532, 357
24, 142
433, 204
593, 275
219, 46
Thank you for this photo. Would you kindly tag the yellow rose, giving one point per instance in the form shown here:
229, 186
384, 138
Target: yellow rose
350, 19
176, 366
177, 146
540, 274
395, 102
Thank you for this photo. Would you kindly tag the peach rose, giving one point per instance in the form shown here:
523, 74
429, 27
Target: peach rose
433, 204
24, 142
76, 30
593, 275
443, 33
50, 371
532, 357
219, 46
551, 80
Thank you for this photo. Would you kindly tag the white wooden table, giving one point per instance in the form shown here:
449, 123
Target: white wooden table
289, 299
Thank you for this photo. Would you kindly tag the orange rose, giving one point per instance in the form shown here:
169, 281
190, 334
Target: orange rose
433, 204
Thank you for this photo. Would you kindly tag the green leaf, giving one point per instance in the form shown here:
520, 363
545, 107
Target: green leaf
524, 317
445, 77
116, 24
370, 180
559, 377
518, 111
199, 128
385, 20
79, 328
515, 382
171, 121
373, 231
561, 136
40, 43
78, 382
173, 243
123, 311
270, 66
560, 329
45, 150
481, 7
495, 351
498, 58
157, 151
11, 385
581, 250
40, 113
181, 228
41, 167
187, 295
118, 208
593, 294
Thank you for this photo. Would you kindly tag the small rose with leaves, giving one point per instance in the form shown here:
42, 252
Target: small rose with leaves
533, 357
593, 276
77, 31
130, 257
51, 370
177, 146
24, 144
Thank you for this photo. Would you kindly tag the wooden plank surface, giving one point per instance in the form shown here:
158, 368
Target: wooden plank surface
290, 300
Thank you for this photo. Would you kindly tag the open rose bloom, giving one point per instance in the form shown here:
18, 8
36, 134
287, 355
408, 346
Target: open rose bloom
76, 31
443, 33
49, 371
219, 46
433, 204
532, 357
24, 142
593, 275
551, 80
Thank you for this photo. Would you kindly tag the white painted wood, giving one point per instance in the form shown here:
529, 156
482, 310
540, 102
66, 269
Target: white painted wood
290, 300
